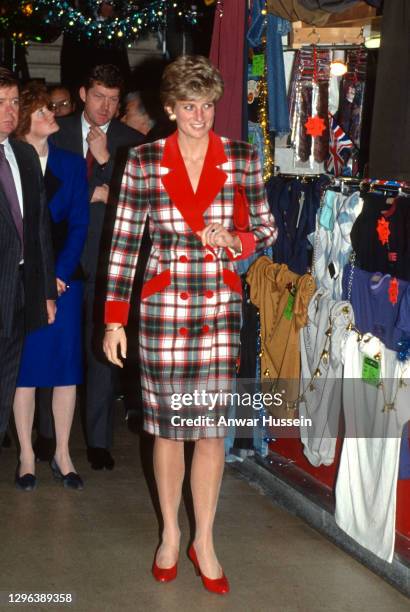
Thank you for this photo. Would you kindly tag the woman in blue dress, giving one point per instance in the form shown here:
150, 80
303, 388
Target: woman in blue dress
52, 356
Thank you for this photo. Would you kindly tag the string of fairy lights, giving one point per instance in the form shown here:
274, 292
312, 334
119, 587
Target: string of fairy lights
130, 20
268, 159
130, 23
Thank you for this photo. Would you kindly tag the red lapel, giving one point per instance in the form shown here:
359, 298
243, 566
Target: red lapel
178, 186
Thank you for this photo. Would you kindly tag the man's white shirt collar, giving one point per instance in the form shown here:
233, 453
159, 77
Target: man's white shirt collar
86, 126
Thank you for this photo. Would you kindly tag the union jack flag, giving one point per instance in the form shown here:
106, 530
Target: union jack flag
338, 142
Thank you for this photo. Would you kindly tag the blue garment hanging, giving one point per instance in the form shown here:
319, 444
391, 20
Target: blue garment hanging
276, 27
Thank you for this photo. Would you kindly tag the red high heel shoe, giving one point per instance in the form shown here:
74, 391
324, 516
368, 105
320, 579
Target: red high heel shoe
214, 585
163, 574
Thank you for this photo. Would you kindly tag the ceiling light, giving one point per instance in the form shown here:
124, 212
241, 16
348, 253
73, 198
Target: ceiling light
338, 67
373, 42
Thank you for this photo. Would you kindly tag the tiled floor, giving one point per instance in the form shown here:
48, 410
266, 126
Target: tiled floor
99, 543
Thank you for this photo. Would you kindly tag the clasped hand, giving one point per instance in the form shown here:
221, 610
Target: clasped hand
101, 194
215, 235
97, 142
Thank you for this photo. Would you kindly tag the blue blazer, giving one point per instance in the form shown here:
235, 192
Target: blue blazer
67, 196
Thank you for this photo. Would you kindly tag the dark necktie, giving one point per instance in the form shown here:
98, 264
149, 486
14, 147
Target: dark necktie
89, 158
9, 188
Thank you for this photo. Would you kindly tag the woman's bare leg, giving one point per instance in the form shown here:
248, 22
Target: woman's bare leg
169, 469
23, 408
63, 412
206, 477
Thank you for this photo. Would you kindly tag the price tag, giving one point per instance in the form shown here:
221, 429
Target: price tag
288, 312
371, 371
258, 64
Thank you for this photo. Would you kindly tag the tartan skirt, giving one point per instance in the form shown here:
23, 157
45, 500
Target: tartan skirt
188, 356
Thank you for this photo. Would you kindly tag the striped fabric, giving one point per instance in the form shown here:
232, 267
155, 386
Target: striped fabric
191, 298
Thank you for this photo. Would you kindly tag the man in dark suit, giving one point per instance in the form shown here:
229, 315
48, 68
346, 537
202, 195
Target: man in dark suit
27, 280
101, 139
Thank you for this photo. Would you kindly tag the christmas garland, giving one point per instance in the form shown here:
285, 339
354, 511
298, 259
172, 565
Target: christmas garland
128, 27
19, 23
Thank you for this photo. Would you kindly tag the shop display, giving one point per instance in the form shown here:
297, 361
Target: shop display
321, 342
331, 240
339, 270
375, 416
282, 298
294, 204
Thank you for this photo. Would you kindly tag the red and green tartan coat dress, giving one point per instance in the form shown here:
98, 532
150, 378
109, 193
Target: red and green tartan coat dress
191, 298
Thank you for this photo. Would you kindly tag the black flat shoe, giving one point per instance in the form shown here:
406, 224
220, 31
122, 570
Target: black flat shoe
27, 482
70, 480
100, 458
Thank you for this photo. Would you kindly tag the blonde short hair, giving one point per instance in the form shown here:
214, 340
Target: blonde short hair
190, 77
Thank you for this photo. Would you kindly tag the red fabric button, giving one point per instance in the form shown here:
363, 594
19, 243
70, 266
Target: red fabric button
209, 257
183, 331
183, 259
184, 295
209, 293
205, 329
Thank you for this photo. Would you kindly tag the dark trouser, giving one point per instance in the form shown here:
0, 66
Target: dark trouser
45, 423
100, 379
10, 353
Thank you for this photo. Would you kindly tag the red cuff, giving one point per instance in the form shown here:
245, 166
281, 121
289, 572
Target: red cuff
248, 245
116, 312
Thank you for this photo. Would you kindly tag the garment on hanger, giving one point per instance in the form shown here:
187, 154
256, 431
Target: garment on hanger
380, 235
331, 240
249, 333
390, 135
272, 28
322, 400
227, 54
255, 137
282, 298
309, 96
376, 310
332, 6
351, 107
295, 10
404, 466
352, 94
367, 477
294, 204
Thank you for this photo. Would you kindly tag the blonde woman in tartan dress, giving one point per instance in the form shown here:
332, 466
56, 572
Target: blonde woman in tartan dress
191, 299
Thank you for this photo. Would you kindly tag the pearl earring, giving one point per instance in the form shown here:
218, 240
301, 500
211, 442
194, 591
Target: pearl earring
172, 116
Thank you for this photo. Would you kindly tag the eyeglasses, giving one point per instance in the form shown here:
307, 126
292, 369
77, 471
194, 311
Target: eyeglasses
62, 104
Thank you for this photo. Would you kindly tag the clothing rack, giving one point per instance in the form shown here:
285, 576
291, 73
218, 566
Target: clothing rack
344, 182
400, 188
379, 182
327, 37
331, 47
364, 185
304, 178
349, 180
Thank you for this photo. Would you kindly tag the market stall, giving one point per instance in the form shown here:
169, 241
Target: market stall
327, 310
